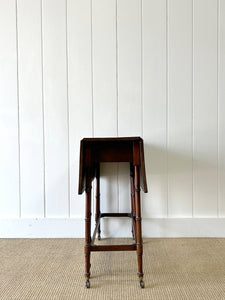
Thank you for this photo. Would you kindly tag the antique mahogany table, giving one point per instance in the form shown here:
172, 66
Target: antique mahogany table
94, 151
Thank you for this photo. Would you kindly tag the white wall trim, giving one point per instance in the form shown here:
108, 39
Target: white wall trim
74, 228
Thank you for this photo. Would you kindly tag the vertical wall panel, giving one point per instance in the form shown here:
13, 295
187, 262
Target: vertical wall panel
129, 83
155, 106
179, 108
31, 113
80, 90
104, 68
205, 108
129, 67
55, 107
221, 107
105, 90
9, 158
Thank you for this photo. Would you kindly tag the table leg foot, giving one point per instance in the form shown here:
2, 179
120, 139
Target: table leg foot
142, 284
87, 283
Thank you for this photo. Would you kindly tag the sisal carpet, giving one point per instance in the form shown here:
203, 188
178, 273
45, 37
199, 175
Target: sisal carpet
53, 269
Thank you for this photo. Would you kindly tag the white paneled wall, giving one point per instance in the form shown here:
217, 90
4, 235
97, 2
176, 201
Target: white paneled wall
79, 45
205, 109
91, 68
9, 118
154, 91
30, 109
179, 107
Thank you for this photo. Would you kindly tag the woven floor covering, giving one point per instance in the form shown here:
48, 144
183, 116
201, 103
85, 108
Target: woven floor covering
54, 268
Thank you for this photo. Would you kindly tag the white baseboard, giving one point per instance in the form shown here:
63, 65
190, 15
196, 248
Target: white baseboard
74, 227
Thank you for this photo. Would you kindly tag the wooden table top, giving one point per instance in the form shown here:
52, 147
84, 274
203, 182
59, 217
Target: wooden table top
110, 149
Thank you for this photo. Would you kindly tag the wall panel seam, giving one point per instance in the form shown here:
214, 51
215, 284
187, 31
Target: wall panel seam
92, 78
167, 111
68, 113
117, 112
18, 106
43, 111
192, 108
141, 50
117, 92
218, 119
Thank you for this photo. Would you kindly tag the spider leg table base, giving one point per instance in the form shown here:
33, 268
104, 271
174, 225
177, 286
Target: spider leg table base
93, 151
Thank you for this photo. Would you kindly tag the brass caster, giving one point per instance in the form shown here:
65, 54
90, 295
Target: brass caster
142, 284
87, 284
99, 237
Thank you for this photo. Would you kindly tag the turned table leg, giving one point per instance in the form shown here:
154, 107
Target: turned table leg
133, 210
138, 223
97, 195
87, 246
